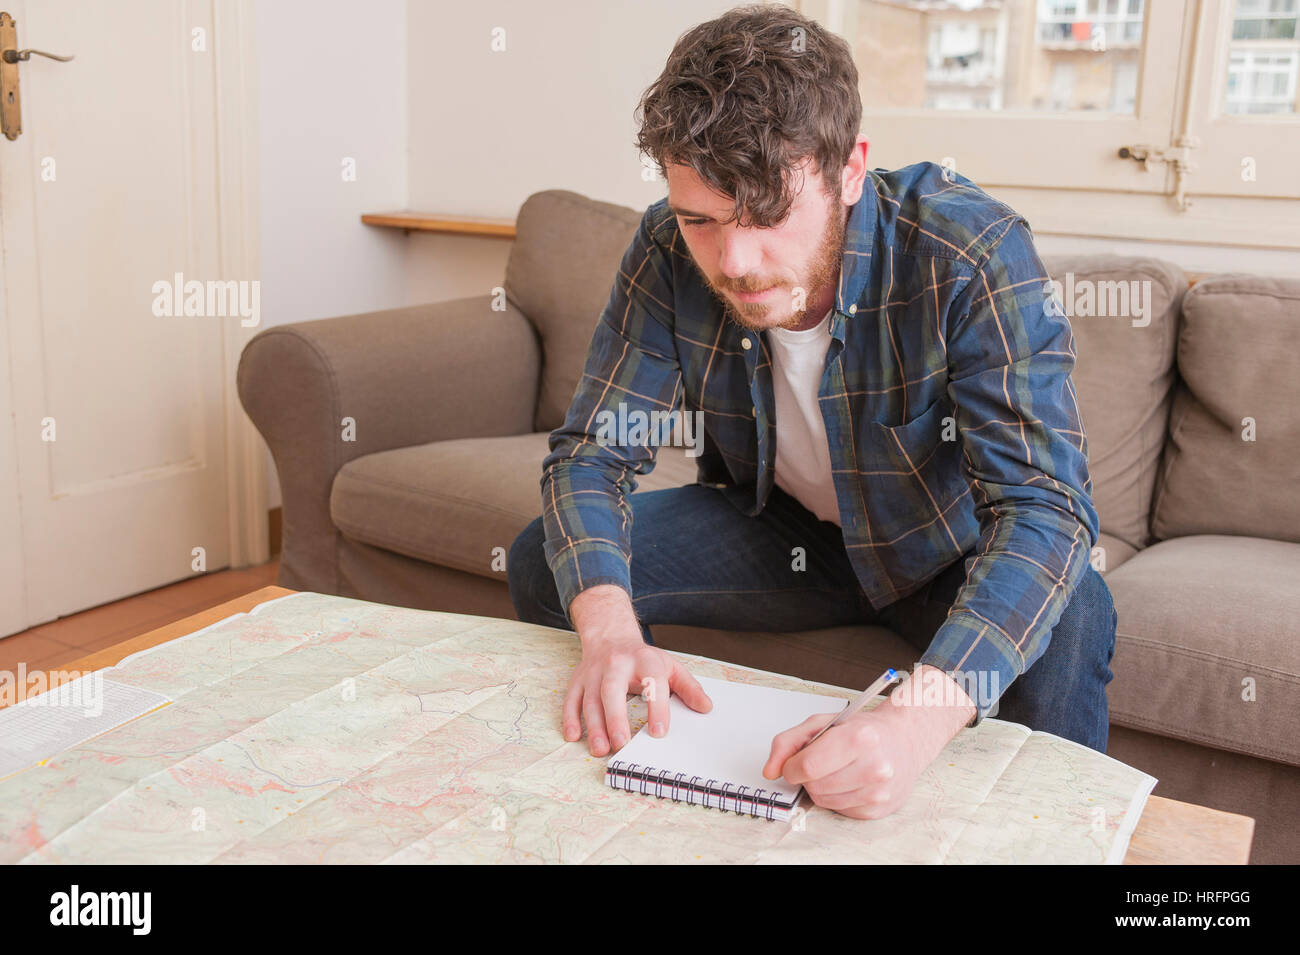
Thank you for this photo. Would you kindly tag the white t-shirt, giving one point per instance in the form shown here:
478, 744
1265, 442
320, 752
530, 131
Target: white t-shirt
803, 458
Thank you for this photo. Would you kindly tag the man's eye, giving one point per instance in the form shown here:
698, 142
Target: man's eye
694, 221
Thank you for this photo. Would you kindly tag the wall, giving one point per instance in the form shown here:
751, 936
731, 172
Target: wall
553, 110
1192, 259
332, 84
437, 121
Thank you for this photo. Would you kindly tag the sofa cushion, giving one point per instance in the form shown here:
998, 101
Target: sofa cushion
1123, 376
560, 273
1113, 553
1203, 621
1238, 358
453, 502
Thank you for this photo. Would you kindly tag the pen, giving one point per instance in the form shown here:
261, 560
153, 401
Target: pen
870, 693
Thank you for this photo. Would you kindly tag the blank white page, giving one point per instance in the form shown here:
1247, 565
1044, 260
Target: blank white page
732, 741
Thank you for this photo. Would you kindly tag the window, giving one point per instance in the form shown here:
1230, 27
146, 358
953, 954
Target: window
1035, 99
1260, 82
1263, 57
1265, 20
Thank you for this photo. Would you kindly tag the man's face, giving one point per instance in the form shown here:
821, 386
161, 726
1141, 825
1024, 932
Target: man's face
766, 277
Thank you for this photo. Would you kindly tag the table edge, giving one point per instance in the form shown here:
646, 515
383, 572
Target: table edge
111, 656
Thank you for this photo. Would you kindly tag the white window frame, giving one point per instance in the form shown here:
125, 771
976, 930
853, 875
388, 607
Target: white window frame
1063, 171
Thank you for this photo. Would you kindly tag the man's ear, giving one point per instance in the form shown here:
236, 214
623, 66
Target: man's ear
854, 173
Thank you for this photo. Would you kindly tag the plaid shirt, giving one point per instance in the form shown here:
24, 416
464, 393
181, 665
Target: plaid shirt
949, 410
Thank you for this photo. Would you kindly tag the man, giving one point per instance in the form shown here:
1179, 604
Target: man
891, 433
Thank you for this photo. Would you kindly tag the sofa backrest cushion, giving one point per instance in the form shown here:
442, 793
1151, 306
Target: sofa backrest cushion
1123, 311
1232, 464
560, 272
569, 247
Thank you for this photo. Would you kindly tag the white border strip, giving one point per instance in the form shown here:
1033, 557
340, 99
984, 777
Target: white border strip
1123, 835
224, 620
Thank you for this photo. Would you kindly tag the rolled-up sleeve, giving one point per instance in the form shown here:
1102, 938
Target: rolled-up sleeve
1010, 355
631, 370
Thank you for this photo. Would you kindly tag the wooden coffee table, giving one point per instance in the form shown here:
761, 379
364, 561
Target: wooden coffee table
1169, 833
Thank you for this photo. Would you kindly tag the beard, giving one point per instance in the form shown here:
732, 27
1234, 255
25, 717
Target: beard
822, 272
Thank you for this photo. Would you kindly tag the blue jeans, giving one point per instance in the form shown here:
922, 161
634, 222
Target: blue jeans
698, 561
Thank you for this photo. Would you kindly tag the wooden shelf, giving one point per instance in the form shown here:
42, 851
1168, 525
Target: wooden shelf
484, 227
437, 222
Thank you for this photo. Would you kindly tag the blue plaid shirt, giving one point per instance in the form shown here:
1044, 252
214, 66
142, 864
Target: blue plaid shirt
949, 409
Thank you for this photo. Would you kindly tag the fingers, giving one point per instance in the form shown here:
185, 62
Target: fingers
789, 742
595, 717
848, 779
613, 695
656, 688
688, 689
864, 799
840, 747
572, 708
865, 812
875, 793
600, 696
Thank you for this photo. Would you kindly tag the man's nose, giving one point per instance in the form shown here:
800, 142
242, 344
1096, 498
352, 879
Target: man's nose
740, 254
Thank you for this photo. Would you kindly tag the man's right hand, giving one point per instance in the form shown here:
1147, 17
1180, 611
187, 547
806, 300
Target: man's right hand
616, 661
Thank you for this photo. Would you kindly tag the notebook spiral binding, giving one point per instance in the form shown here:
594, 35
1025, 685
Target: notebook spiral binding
646, 777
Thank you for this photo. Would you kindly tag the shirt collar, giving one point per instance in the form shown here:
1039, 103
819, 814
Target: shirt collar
855, 265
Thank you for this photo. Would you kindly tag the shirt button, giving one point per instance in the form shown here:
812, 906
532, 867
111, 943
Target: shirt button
853, 310
745, 344
754, 411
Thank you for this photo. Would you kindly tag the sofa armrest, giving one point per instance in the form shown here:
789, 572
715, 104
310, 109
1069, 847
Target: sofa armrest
405, 376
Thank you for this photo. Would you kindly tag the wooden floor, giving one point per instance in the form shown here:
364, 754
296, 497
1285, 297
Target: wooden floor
69, 638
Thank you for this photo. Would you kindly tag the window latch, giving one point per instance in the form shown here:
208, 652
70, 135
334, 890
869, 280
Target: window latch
1177, 156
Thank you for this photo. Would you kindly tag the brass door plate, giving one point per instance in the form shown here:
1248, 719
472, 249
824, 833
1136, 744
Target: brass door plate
11, 117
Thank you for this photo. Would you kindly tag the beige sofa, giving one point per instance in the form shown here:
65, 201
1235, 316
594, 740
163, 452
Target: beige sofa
451, 404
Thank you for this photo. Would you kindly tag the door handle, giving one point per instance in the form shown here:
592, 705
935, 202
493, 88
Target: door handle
13, 56
11, 116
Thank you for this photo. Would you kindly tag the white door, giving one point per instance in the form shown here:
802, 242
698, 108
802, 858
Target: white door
114, 441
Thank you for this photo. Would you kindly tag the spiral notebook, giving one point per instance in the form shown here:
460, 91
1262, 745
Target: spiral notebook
716, 759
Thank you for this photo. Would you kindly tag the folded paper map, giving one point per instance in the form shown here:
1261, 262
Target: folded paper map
324, 729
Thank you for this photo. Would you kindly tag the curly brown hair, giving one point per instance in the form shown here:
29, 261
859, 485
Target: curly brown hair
744, 98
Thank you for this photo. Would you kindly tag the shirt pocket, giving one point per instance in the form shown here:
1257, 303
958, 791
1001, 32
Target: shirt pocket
898, 446
917, 480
